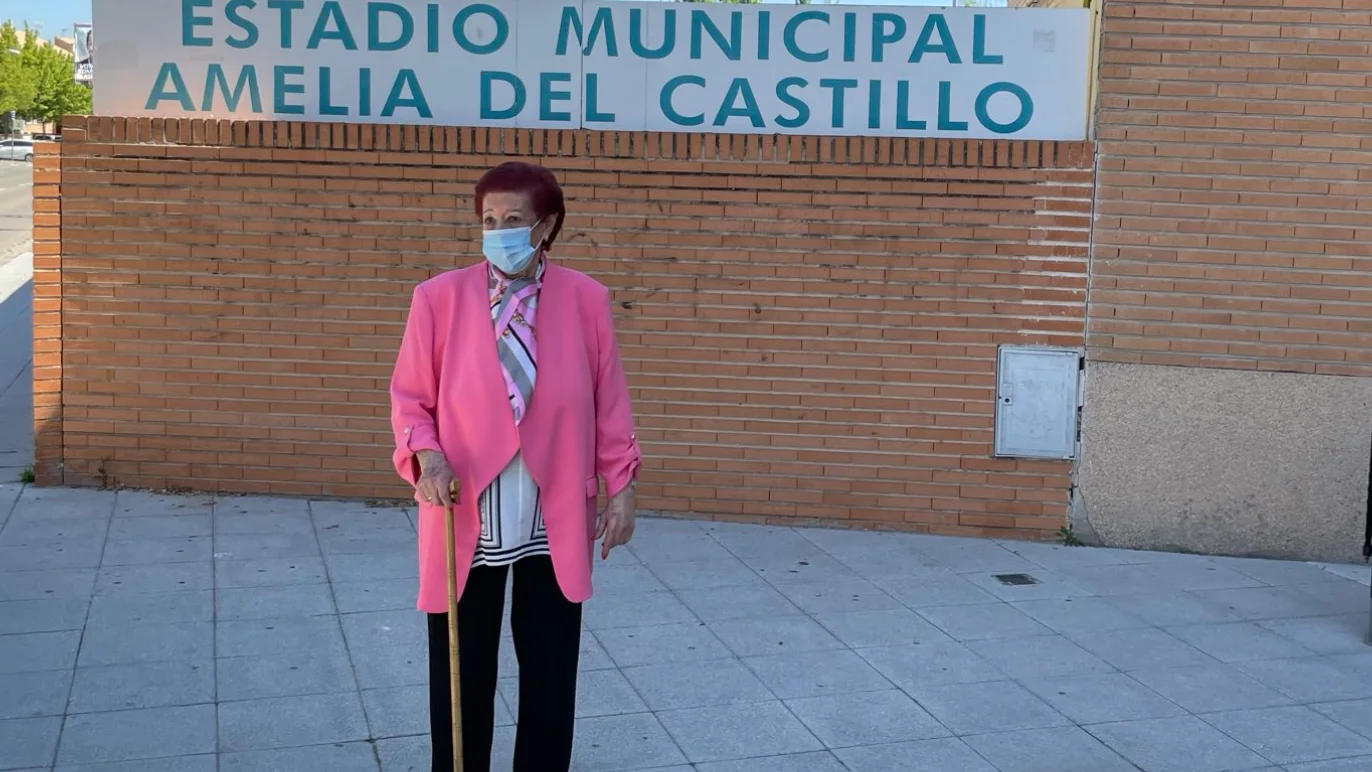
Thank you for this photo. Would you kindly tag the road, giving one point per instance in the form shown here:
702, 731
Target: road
16, 319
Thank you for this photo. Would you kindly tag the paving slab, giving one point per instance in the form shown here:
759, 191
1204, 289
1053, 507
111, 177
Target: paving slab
202, 762
278, 635
738, 731
230, 573
699, 684
1088, 699
27, 652
613, 611
822, 761
43, 615
283, 722
297, 600
333, 757
29, 741
291, 674
158, 577
142, 685
1056, 749
944, 754
389, 666
146, 632
397, 711
1211, 688
774, 635
661, 644
1039, 656
1178, 744
1354, 714
817, 674
988, 706
1288, 735
131, 643
53, 556
42, 584
930, 664
1359, 764
127, 735
636, 741
882, 627
34, 694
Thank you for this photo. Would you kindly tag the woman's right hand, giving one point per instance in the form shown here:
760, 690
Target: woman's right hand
435, 479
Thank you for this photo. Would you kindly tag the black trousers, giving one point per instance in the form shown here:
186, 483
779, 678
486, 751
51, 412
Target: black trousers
547, 639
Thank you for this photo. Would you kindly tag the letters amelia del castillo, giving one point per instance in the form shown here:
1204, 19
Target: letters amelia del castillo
820, 69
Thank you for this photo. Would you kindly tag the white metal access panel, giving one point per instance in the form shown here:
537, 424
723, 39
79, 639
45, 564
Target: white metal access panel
1037, 396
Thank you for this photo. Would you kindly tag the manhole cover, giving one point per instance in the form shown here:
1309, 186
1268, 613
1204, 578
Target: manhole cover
1016, 579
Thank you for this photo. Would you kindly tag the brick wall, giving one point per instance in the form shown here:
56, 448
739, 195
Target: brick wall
1234, 213
809, 325
47, 312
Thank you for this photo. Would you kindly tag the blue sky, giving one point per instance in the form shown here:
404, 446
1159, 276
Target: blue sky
57, 16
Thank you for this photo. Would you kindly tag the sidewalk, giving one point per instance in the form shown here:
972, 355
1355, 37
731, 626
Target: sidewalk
16, 366
278, 635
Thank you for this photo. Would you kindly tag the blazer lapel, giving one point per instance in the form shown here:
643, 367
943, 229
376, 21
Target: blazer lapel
549, 332
480, 342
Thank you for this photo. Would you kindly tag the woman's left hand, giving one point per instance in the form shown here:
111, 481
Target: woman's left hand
615, 526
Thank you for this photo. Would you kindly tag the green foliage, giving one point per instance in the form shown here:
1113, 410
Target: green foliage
37, 82
57, 94
18, 85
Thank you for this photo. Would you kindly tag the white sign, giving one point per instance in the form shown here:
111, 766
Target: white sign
660, 66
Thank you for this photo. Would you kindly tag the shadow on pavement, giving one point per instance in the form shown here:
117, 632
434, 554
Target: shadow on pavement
16, 381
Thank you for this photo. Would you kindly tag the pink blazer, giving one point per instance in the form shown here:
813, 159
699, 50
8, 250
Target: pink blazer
447, 394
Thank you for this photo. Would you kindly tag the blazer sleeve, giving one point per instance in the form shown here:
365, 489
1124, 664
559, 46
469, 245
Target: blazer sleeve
617, 454
414, 390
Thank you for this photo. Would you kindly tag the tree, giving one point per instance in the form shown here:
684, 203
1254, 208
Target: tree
18, 84
36, 81
56, 93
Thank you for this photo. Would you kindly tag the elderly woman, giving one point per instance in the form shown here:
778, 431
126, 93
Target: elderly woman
509, 382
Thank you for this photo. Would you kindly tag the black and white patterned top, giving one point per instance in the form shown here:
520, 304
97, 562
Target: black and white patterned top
511, 510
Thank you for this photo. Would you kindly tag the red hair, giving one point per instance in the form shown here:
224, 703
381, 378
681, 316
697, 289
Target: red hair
532, 180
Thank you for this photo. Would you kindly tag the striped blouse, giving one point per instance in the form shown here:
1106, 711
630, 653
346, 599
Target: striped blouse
511, 512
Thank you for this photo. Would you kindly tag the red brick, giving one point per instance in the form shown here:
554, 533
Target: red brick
780, 373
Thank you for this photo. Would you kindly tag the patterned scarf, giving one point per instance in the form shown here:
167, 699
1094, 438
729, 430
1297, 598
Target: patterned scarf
514, 305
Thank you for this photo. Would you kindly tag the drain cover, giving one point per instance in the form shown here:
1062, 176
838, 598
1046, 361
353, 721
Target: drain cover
1016, 579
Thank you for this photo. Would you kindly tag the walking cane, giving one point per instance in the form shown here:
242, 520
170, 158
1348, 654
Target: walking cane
454, 666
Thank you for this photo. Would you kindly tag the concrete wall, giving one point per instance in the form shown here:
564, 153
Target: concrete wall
1229, 337
1226, 461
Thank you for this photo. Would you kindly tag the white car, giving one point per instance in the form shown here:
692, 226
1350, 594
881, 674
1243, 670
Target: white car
16, 150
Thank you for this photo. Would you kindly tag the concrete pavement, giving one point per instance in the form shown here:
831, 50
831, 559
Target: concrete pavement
16, 367
16, 208
151, 633
16, 319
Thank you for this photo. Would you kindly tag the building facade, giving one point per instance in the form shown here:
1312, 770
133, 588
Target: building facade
811, 325
1230, 337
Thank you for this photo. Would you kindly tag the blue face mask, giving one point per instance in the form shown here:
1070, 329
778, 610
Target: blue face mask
508, 249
